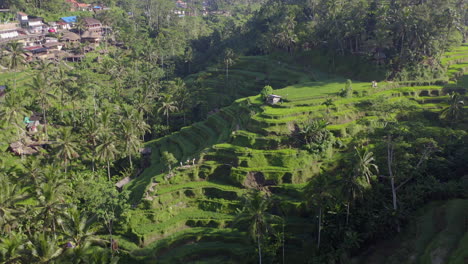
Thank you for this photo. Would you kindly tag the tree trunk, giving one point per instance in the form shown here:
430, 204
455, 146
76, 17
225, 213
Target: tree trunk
390, 172
392, 179
167, 118
108, 170
283, 241
130, 160
319, 227
347, 213
45, 121
259, 250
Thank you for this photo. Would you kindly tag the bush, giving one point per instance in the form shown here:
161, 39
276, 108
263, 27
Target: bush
267, 90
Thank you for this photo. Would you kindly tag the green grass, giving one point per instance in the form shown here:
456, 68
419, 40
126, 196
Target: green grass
196, 185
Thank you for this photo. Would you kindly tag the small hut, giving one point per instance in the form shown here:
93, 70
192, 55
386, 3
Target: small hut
273, 99
21, 149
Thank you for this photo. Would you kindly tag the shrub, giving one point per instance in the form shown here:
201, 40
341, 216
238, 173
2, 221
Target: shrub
267, 90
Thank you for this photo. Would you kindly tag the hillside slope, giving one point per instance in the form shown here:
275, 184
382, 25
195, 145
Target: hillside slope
185, 215
437, 235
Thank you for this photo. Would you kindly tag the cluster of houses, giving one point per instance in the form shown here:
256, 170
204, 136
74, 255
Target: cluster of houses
50, 40
182, 10
77, 6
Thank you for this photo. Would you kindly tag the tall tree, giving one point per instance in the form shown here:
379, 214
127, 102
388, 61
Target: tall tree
318, 195
66, 146
259, 220
44, 95
106, 150
131, 143
167, 106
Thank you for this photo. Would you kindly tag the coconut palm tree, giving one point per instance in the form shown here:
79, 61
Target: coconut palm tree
318, 195
78, 227
66, 146
167, 106
12, 112
106, 150
259, 220
92, 130
131, 143
365, 166
43, 248
50, 193
352, 187
12, 247
228, 60
15, 49
11, 195
43, 95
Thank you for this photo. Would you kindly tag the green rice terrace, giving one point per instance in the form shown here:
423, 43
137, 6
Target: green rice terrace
186, 215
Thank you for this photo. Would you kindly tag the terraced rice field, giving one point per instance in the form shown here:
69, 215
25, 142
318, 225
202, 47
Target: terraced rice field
186, 215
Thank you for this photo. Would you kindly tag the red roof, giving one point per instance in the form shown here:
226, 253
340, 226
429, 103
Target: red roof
33, 48
22, 14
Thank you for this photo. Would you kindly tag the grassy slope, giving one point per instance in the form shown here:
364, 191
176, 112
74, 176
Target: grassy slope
178, 219
437, 235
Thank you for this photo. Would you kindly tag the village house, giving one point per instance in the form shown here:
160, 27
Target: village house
53, 45
71, 39
8, 34
92, 25
77, 6
90, 36
23, 18
35, 25
69, 22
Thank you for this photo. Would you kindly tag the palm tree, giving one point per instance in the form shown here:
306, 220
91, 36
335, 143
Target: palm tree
106, 150
352, 187
43, 248
66, 146
11, 247
11, 194
256, 215
454, 109
15, 60
92, 131
43, 95
12, 111
61, 81
131, 142
365, 166
286, 38
78, 227
167, 107
318, 194
228, 61
50, 193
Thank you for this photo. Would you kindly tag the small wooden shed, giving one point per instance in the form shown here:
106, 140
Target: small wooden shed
273, 99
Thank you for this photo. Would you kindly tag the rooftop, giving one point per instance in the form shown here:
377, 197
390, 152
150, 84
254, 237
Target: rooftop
70, 19
91, 21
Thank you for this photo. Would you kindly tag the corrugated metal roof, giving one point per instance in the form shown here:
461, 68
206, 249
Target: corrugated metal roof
70, 19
